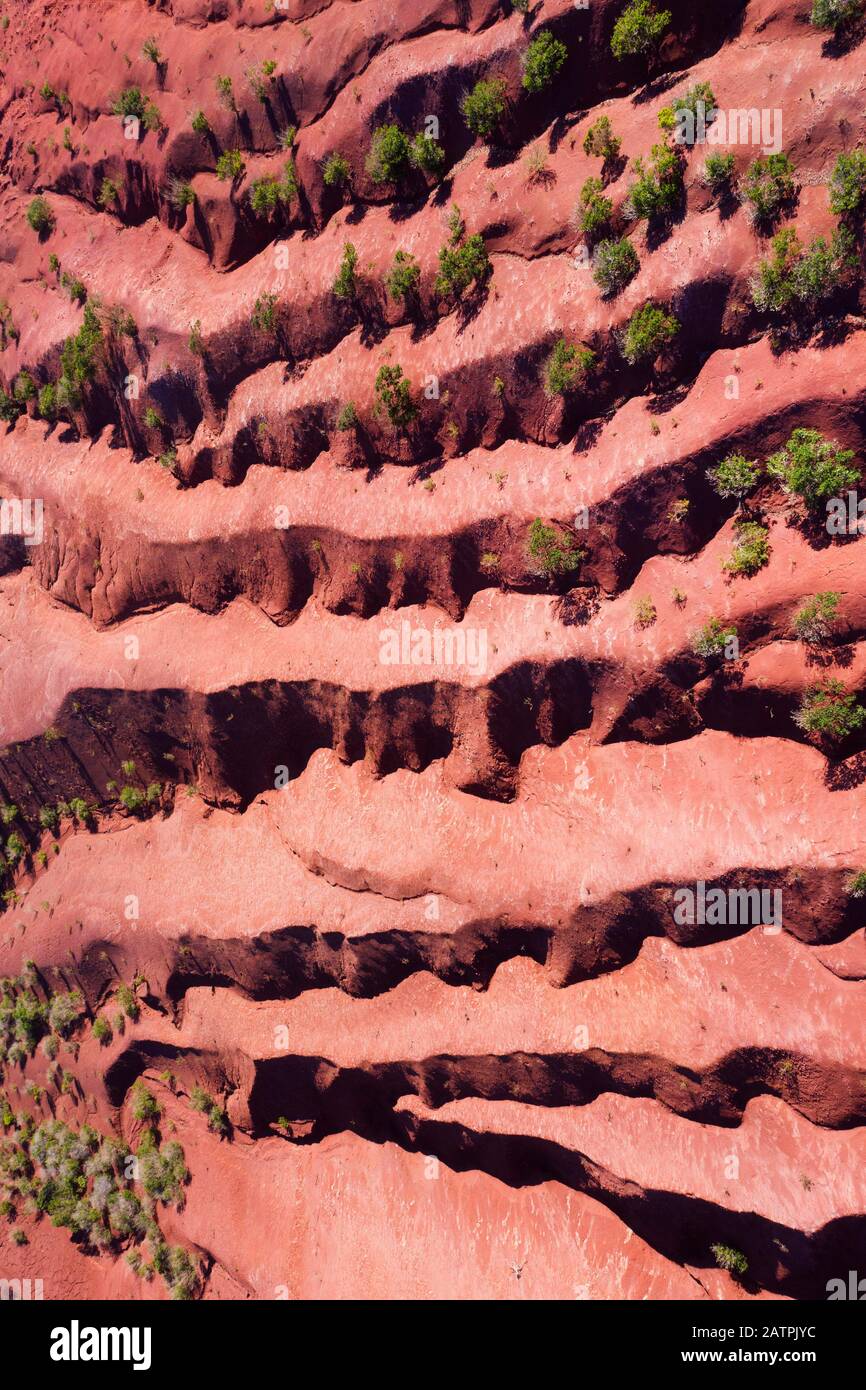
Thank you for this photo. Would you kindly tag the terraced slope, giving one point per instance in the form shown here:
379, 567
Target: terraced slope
432, 798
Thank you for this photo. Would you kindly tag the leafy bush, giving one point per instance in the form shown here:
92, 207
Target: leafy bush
345, 284
266, 194
461, 266
108, 193
751, 549
225, 91
638, 31
394, 396
427, 154
734, 476
132, 798
566, 367
814, 621
593, 209
195, 342
834, 14
645, 612
734, 1261
484, 107
543, 59
848, 183
336, 172
829, 710
767, 185
649, 330
658, 186
145, 1106
64, 1012
712, 638
389, 157
230, 165
792, 275
102, 1031
40, 217
856, 885
600, 140
552, 551
813, 467
718, 171
347, 418
614, 264
402, 280
200, 123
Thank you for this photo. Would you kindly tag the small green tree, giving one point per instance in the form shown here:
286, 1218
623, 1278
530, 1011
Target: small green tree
848, 184
461, 265
814, 468
639, 30
40, 217
614, 265
427, 154
649, 330
751, 549
658, 185
543, 59
394, 396
404, 276
230, 166
484, 107
834, 14
567, 367
734, 1261
718, 171
552, 551
336, 172
264, 315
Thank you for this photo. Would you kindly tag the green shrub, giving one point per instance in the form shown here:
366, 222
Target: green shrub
734, 1261
594, 210
427, 154
287, 137
834, 14
345, 284
230, 165
614, 264
40, 217
336, 172
131, 102
543, 59
751, 549
856, 885
180, 194
484, 107
108, 193
266, 195
792, 275
649, 330
152, 418
848, 183
389, 157
461, 266
24, 388
767, 186
718, 171
195, 342
567, 367
259, 76
814, 468
225, 92
658, 186
132, 798
347, 418
735, 476
639, 30
200, 123
145, 1106
264, 315
829, 710
150, 50
712, 639
551, 551
394, 396
64, 1011
600, 140
814, 621
102, 1031
404, 276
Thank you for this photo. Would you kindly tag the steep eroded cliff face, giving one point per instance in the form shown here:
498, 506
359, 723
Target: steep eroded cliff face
432, 649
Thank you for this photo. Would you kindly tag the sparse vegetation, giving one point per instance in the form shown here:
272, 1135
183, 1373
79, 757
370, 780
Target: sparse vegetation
264, 315
336, 172
108, 193
734, 1261
718, 171
767, 187
645, 612
712, 639
594, 210
856, 885
230, 165
345, 284
552, 551
835, 14
751, 549
40, 217
600, 140
848, 184
403, 278
792, 276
